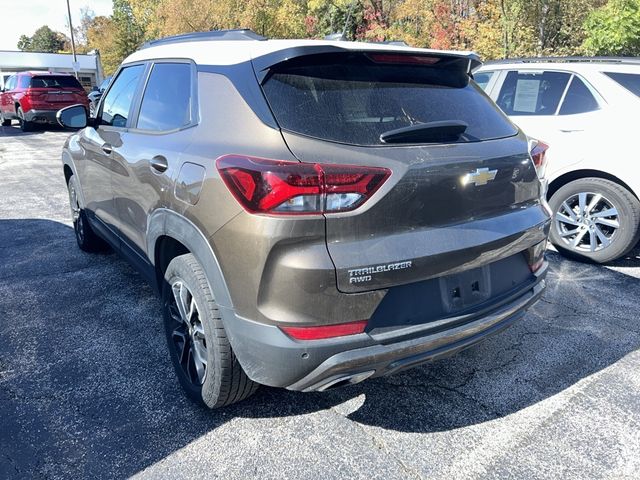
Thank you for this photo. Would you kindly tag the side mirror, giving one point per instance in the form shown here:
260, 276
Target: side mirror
74, 117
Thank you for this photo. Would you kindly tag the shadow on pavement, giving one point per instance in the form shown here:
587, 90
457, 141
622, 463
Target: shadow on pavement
14, 130
86, 385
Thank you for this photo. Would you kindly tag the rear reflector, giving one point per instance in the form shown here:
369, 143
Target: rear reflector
536, 266
278, 187
325, 331
535, 256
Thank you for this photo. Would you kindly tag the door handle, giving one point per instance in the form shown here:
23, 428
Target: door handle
570, 130
106, 148
158, 164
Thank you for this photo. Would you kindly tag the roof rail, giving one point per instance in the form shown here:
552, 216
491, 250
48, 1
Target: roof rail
237, 34
625, 60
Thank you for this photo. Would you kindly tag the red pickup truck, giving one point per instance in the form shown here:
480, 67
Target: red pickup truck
36, 97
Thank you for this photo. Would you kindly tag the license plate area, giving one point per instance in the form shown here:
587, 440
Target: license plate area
466, 289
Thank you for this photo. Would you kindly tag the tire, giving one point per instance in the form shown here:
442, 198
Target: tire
604, 238
87, 239
6, 122
220, 381
25, 126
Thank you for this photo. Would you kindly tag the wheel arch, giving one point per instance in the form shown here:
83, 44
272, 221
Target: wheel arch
559, 182
69, 170
68, 173
169, 235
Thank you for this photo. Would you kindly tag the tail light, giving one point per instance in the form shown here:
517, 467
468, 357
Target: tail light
279, 187
36, 94
325, 331
539, 157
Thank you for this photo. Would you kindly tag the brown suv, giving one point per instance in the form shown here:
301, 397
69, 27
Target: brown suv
312, 213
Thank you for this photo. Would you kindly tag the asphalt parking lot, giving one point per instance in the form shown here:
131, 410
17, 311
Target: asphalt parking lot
87, 388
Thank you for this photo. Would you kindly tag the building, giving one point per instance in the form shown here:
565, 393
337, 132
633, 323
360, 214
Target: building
89, 66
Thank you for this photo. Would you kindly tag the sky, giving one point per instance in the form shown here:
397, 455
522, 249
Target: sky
23, 17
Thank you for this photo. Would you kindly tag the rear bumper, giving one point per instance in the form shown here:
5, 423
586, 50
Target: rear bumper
272, 358
41, 116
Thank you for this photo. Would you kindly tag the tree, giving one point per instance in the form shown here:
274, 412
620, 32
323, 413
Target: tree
614, 29
101, 36
129, 35
43, 40
80, 31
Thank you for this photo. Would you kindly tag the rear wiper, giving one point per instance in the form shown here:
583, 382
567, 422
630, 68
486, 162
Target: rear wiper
445, 131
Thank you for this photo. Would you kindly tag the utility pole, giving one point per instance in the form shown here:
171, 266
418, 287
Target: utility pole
73, 42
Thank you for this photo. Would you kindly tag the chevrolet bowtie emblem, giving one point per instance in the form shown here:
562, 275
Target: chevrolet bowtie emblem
481, 176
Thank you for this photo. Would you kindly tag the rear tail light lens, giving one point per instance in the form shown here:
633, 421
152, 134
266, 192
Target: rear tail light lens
325, 331
279, 187
539, 157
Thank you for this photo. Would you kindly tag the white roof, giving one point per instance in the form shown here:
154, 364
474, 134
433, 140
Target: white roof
230, 52
10, 60
578, 67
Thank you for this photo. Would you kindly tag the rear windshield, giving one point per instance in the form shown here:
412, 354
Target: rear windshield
355, 97
630, 81
55, 81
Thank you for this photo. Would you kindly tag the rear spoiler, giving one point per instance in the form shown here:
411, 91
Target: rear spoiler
264, 63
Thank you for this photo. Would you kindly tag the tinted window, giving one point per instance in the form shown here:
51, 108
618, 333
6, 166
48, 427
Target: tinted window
630, 81
354, 97
579, 99
117, 103
23, 81
532, 93
166, 104
483, 78
54, 81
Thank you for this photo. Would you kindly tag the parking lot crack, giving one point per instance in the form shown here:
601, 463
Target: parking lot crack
381, 445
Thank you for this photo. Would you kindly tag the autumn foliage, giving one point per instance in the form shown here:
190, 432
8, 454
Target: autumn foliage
493, 28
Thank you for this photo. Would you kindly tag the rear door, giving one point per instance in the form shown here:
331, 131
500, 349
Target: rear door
448, 203
556, 107
548, 104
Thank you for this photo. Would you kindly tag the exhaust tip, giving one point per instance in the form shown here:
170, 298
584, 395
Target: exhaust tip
345, 380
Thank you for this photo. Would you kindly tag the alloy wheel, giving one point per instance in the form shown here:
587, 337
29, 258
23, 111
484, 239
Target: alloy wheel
188, 333
587, 222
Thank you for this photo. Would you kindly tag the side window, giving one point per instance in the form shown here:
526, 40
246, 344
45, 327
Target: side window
24, 81
630, 81
117, 103
11, 83
166, 103
532, 92
578, 99
483, 79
